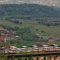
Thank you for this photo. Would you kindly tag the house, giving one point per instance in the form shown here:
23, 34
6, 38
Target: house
12, 49
2, 38
6, 35
51, 40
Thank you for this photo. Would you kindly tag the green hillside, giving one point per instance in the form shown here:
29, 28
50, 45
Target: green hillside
32, 12
31, 22
31, 32
28, 10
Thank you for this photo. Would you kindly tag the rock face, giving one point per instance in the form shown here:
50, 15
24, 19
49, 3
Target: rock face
44, 2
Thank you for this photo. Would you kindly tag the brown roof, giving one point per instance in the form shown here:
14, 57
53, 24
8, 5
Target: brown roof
41, 43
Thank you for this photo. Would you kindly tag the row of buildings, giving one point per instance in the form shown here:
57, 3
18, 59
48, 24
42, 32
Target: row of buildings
34, 49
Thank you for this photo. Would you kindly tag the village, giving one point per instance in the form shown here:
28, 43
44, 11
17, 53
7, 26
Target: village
34, 49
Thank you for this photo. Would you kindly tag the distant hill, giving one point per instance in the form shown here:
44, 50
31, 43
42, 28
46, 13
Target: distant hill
29, 12
28, 9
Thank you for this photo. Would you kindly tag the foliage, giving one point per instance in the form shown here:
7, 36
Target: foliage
30, 21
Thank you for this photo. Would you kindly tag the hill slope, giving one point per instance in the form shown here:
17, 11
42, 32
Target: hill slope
31, 31
32, 10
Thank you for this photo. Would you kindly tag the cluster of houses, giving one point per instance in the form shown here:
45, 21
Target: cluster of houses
5, 35
34, 49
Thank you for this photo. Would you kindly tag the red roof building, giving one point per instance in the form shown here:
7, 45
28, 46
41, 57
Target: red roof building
2, 38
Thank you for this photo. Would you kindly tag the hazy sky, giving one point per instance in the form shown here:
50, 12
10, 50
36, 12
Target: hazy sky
45, 2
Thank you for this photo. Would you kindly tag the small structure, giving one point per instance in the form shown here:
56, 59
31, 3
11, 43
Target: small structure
12, 49
51, 41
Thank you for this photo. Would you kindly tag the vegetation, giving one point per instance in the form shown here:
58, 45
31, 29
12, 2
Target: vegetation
30, 33
28, 10
31, 22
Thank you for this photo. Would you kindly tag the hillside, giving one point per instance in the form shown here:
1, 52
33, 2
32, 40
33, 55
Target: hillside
30, 32
28, 20
31, 10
